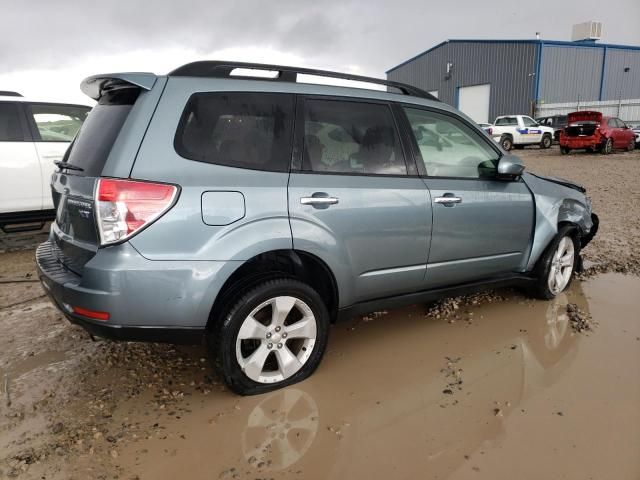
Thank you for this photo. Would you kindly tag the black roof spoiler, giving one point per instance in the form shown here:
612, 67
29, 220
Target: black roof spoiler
223, 69
96, 85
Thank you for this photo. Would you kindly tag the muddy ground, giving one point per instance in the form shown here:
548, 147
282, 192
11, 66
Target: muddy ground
489, 386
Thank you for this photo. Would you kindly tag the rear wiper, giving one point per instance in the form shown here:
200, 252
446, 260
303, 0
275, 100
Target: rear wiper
67, 166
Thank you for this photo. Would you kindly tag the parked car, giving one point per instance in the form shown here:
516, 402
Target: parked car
486, 127
33, 135
594, 132
636, 130
557, 122
254, 212
518, 131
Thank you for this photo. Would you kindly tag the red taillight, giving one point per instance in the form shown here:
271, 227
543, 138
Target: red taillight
125, 206
104, 316
490, 131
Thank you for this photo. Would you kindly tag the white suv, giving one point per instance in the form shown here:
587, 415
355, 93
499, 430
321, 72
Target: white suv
519, 131
33, 135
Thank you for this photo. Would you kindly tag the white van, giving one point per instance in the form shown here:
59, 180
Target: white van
33, 135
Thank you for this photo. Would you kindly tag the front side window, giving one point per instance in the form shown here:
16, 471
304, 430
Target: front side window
58, 123
351, 137
10, 127
450, 148
244, 130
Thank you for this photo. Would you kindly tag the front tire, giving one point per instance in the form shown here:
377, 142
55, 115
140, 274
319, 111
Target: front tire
271, 337
632, 145
546, 141
555, 268
564, 150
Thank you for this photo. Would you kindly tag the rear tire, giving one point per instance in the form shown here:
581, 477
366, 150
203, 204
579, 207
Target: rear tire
506, 142
546, 142
270, 337
607, 148
557, 265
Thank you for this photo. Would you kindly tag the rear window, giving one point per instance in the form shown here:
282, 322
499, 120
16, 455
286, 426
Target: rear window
93, 143
244, 130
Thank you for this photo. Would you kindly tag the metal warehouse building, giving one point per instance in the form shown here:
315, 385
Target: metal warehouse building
487, 78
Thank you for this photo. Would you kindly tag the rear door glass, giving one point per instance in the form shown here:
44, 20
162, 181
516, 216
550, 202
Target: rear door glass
351, 137
57, 123
243, 130
10, 125
97, 135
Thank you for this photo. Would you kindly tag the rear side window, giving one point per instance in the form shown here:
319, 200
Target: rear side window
98, 133
351, 137
507, 121
10, 127
58, 123
244, 130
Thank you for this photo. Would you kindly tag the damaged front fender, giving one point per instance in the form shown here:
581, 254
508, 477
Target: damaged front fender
557, 203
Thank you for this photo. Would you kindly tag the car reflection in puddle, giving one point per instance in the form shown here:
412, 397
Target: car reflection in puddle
376, 406
280, 429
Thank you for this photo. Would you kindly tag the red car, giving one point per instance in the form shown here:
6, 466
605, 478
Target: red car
594, 132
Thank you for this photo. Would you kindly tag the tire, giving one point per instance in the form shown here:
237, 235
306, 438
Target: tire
607, 147
546, 142
564, 150
543, 287
506, 142
632, 145
280, 361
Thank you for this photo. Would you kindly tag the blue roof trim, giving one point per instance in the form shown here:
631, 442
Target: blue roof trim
560, 43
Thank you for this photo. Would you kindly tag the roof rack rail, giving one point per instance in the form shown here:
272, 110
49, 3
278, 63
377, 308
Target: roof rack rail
6, 93
222, 69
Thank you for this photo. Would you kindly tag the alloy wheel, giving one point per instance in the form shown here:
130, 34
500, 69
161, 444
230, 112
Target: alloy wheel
276, 339
561, 266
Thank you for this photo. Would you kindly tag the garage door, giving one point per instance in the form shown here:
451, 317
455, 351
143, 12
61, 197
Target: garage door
474, 101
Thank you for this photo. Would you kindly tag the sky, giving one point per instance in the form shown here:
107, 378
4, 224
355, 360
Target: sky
48, 46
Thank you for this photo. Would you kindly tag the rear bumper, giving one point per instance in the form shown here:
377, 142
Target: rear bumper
580, 142
146, 300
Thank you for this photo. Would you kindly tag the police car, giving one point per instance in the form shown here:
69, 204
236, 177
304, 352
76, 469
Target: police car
518, 131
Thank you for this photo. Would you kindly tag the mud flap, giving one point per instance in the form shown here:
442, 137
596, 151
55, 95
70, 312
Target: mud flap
585, 239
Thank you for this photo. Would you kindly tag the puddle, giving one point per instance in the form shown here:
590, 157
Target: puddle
512, 393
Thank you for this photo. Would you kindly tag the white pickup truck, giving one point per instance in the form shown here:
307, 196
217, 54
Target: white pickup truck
519, 131
33, 135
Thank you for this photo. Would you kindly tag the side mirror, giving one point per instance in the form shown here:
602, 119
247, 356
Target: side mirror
510, 166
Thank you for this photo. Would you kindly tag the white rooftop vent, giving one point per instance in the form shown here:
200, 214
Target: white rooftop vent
587, 32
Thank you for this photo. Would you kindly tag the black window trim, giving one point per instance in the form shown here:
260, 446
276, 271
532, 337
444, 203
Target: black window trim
296, 161
27, 135
182, 154
416, 149
31, 121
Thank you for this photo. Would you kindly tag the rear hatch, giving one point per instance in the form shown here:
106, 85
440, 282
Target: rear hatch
583, 124
75, 232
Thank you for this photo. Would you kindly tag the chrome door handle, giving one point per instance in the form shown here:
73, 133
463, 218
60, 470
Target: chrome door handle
318, 200
447, 200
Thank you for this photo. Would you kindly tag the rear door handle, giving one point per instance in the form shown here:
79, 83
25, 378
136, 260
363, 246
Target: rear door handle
448, 200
